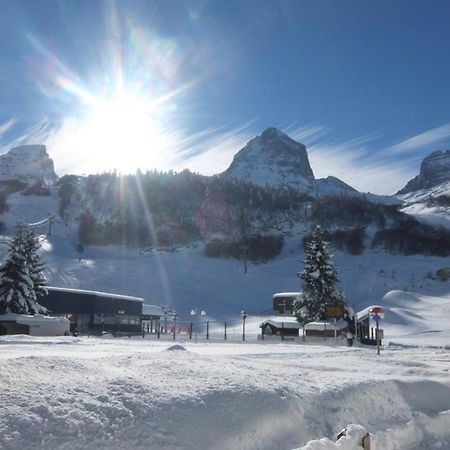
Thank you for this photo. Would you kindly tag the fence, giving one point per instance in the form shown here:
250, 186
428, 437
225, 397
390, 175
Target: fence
194, 331
215, 331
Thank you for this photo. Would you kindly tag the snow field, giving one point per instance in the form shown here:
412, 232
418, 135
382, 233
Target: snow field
129, 393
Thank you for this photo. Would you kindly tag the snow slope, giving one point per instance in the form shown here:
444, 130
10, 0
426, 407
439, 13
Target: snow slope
416, 204
432, 181
185, 279
414, 319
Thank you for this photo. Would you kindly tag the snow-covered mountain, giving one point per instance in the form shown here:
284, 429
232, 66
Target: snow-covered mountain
28, 163
434, 171
427, 196
273, 159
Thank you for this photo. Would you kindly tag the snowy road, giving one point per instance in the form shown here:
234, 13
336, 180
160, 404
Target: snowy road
78, 393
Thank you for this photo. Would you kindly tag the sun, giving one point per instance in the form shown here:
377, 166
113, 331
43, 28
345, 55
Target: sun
125, 132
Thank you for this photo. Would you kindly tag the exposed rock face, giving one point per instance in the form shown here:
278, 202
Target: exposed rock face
28, 163
434, 170
273, 159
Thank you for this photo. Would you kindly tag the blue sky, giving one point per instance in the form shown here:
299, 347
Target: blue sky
173, 84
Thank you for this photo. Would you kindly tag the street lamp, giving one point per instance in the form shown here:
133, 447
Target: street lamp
244, 316
174, 317
196, 313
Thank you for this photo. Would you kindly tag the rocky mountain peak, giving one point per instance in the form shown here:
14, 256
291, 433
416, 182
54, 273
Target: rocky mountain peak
28, 163
273, 159
434, 170
272, 133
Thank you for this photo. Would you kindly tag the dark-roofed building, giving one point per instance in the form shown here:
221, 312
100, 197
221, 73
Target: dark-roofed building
95, 312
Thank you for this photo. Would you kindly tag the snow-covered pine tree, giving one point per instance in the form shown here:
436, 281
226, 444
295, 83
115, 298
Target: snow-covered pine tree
20, 281
319, 277
36, 266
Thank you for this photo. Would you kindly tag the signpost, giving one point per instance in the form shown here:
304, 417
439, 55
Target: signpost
377, 313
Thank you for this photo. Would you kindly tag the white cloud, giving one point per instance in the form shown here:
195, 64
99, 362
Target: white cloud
422, 140
359, 163
6, 126
211, 151
34, 134
353, 164
306, 134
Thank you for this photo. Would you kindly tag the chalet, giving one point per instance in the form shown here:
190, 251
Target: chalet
283, 323
280, 326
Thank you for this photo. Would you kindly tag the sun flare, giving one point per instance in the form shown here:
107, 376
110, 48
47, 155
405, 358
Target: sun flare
125, 131
122, 129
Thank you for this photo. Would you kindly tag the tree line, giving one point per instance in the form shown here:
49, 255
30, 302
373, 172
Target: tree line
168, 209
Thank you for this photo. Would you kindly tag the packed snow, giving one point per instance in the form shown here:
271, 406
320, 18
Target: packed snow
136, 393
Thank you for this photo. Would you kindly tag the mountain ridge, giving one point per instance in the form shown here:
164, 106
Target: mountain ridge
434, 170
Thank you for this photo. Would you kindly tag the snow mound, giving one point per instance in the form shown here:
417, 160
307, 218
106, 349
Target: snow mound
413, 318
176, 347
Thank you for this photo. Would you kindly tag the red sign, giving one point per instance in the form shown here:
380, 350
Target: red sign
377, 311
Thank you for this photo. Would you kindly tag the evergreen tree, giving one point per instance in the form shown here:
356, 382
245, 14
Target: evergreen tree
319, 278
35, 265
21, 279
